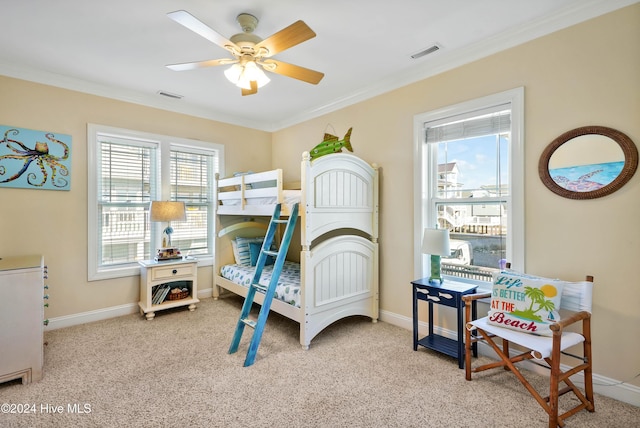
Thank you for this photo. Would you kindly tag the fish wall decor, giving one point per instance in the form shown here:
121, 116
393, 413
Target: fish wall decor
331, 144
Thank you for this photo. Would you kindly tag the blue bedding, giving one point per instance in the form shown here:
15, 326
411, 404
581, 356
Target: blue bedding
288, 288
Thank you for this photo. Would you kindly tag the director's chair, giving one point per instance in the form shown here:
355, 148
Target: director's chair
576, 302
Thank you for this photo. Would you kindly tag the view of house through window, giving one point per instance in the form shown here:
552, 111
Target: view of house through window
470, 201
192, 183
467, 188
131, 170
124, 193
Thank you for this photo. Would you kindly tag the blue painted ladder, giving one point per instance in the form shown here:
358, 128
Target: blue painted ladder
269, 290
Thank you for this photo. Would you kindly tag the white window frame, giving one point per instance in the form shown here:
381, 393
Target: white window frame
515, 204
165, 144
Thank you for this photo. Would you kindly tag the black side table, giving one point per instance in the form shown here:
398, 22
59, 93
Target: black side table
449, 293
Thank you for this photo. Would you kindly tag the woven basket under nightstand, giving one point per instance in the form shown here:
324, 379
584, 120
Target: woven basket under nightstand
178, 296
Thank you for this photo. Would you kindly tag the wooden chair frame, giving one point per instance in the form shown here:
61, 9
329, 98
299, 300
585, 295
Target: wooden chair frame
557, 376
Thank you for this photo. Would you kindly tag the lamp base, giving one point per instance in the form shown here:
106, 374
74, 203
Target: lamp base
168, 253
168, 231
435, 269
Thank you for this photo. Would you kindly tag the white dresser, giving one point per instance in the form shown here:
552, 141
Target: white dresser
21, 317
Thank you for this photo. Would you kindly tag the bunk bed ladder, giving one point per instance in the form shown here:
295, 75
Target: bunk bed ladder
269, 290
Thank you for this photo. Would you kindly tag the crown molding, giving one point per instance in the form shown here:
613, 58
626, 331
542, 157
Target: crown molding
445, 61
130, 96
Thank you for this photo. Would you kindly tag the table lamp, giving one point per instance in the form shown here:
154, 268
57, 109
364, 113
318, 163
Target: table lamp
167, 211
436, 243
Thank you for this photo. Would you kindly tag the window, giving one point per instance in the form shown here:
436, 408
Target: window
129, 169
192, 183
469, 179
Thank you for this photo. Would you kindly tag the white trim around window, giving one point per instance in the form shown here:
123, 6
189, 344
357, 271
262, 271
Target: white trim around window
164, 144
516, 224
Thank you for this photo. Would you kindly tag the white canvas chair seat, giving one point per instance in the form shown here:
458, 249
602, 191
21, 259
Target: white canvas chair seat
577, 298
540, 346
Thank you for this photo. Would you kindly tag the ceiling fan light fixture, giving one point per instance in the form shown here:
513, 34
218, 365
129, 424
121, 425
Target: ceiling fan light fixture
242, 75
251, 54
233, 73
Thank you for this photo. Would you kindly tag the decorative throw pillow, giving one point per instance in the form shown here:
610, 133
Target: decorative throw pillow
236, 254
525, 303
254, 252
244, 254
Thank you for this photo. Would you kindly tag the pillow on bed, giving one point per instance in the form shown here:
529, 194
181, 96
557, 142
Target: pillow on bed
264, 184
525, 303
238, 174
254, 252
244, 254
239, 259
236, 254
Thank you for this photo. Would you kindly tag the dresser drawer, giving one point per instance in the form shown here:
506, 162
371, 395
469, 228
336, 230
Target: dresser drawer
21, 318
170, 272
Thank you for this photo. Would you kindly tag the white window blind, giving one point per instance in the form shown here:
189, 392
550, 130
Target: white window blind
125, 187
192, 183
496, 120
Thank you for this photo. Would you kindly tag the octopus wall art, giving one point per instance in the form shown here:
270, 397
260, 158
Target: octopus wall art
32, 159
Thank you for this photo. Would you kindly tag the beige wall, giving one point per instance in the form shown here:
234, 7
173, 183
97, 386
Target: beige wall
54, 223
584, 75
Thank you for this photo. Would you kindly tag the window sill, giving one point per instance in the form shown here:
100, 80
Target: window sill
483, 286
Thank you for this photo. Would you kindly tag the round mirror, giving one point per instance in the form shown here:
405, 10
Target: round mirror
588, 162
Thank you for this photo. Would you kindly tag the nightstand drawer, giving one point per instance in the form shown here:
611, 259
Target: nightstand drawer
172, 272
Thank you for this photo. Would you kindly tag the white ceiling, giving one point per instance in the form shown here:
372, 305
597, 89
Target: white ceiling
119, 48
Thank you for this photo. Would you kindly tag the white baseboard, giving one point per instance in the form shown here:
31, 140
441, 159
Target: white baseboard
103, 314
608, 387
91, 316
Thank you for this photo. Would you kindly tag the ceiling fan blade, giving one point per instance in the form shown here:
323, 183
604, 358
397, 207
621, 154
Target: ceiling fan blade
200, 64
294, 34
189, 21
253, 90
294, 71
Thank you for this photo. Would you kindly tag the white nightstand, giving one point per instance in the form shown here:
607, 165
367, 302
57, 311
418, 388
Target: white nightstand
154, 276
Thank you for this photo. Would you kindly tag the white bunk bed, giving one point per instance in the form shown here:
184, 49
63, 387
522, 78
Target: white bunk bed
338, 222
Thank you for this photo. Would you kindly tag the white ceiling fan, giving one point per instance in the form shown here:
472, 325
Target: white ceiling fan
250, 53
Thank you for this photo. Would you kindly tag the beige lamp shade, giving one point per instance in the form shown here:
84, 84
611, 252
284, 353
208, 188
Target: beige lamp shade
167, 211
436, 242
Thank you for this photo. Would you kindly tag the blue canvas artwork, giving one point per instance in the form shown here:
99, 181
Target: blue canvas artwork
31, 159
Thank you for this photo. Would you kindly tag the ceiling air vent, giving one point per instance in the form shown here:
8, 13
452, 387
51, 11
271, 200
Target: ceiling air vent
170, 95
426, 51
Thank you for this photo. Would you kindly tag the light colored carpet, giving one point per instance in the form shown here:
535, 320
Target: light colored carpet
174, 371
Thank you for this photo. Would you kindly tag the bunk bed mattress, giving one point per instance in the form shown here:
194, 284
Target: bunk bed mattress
288, 288
290, 197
